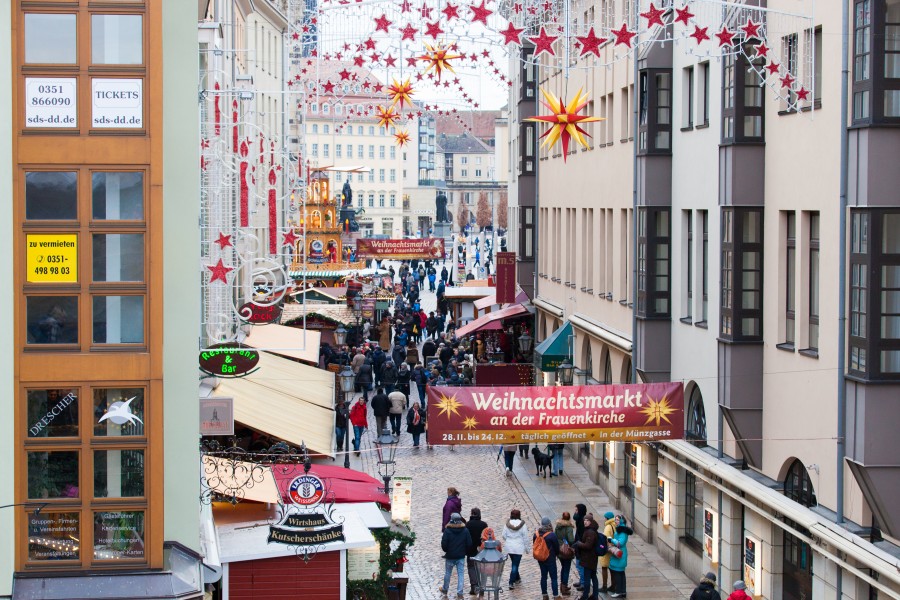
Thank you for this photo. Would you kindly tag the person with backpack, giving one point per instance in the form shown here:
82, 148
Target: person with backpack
456, 543
587, 551
618, 547
609, 530
515, 536
545, 549
706, 590
565, 533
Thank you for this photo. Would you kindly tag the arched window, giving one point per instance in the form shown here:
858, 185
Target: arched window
626, 376
797, 563
798, 486
695, 427
588, 358
607, 369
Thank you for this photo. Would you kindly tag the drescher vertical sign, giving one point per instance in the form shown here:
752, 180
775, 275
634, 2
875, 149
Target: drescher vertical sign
506, 277
586, 413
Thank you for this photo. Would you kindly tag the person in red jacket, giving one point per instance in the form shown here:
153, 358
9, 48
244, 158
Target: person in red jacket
739, 592
359, 421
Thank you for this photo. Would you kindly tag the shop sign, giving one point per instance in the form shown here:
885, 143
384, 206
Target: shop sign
216, 416
229, 360
51, 258
710, 535
51, 102
117, 103
752, 566
53, 536
662, 500
506, 277
571, 414
296, 528
306, 490
119, 535
418, 248
368, 308
260, 314
401, 499
54, 411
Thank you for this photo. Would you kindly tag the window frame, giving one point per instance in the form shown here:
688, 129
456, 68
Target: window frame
733, 250
650, 255
735, 81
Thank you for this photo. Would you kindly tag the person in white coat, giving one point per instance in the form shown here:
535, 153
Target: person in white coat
517, 542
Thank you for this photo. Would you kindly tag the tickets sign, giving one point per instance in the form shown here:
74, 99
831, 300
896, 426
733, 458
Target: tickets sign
117, 103
51, 258
587, 413
422, 249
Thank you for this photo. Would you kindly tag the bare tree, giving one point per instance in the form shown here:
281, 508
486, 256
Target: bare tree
483, 211
503, 211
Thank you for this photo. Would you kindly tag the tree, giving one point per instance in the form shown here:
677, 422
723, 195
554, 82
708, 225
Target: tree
462, 215
503, 211
483, 211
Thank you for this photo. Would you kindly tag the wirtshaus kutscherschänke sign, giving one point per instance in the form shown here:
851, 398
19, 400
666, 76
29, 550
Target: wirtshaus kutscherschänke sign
581, 413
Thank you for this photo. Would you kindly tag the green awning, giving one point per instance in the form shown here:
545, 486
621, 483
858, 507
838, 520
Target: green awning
553, 351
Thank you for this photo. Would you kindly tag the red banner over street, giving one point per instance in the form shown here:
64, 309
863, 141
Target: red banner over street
583, 413
422, 249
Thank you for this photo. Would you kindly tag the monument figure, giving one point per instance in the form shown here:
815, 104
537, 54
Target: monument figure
347, 194
441, 208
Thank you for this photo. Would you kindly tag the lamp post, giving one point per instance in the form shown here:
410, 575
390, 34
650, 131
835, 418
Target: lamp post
564, 372
489, 563
525, 343
340, 335
348, 380
356, 305
386, 448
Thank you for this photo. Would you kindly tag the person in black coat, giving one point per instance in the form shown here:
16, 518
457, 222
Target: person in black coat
415, 422
428, 349
475, 526
445, 354
381, 407
455, 542
707, 588
378, 359
578, 516
389, 375
341, 422
364, 379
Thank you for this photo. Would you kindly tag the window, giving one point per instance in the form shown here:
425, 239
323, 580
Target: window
337, 153
688, 262
381, 200
704, 220
326, 150
51, 195
371, 200
371, 131
463, 160
372, 176
315, 150
876, 62
371, 151
393, 200
527, 148
743, 109
381, 175
117, 39
477, 172
626, 114
464, 173
813, 317
380, 151
359, 199
326, 108
693, 509
653, 262
859, 297
742, 271
862, 56
790, 62
393, 176
790, 269
655, 126
51, 39
527, 239
315, 128
360, 150
695, 426
393, 152
704, 94
687, 98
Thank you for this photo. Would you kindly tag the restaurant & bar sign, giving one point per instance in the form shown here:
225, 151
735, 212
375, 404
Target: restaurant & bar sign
586, 413
421, 249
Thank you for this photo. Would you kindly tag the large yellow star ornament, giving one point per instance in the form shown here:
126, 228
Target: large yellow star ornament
565, 119
469, 423
386, 116
658, 411
401, 138
439, 59
400, 93
449, 405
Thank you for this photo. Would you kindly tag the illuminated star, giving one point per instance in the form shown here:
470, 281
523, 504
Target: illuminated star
623, 36
450, 12
787, 81
512, 35
438, 58
290, 238
219, 272
773, 68
382, 23
223, 241
409, 32
658, 411
543, 43
564, 119
751, 29
684, 15
386, 116
802, 93
448, 405
590, 43
469, 423
480, 13
654, 16
725, 36
400, 92
700, 33
433, 30
762, 51
402, 138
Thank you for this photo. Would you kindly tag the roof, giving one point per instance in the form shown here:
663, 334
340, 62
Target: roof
489, 301
291, 342
289, 400
339, 313
492, 320
480, 123
555, 349
466, 293
462, 144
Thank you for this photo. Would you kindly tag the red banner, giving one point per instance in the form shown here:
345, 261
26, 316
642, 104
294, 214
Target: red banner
422, 249
584, 413
506, 277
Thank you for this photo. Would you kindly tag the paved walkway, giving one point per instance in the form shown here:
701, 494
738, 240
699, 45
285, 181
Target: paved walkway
482, 482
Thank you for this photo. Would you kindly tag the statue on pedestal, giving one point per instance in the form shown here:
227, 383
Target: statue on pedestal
441, 208
346, 195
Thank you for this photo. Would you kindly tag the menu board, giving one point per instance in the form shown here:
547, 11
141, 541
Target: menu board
119, 535
362, 563
53, 536
401, 500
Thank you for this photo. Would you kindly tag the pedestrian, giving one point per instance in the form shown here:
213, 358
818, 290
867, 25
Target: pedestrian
556, 458
509, 455
578, 518
475, 526
444, 274
515, 536
546, 556
381, 408
358, 359
455, 542
706, 590
421, 378
619, 561
378, 360
389, 376
523, 451
384, 334
739, 592
586, 551
403, 377
609, 530
415, 422
341, 418
395, 413
429, 348
359, 421
453, 504
432, 276
363, 382
565, 534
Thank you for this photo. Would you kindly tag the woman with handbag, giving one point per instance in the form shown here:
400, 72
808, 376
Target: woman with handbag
618, 548
565, 533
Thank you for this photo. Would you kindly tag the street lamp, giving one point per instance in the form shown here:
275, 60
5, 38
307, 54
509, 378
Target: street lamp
489, 563
356, 305
525, 343
386, 447
348, 380
340, 335
565, 371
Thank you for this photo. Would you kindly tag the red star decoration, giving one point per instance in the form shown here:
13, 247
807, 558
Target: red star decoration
405, 7
369, 44
433, 29
725, 36
219, 272
382, 23
787, 81
590, 43
345, 74
409, 32
802, 93
700, 33
773, 68
512, 35
517, 7
295, 36
684, 15
390, 61
751, 29
543, 43
480, 13
359, 60
374, 58
450, 12
223, 241
623, 36
328, 87
654, 16
290, 238
411, 61
762, 51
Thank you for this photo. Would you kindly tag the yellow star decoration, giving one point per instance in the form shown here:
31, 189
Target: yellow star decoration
658, 411
565, 119
386, 116
401, 138
470, 422
400, 92
449, 405
438, 59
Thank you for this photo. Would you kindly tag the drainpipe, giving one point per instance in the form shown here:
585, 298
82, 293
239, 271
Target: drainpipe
635, 123
535, 217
